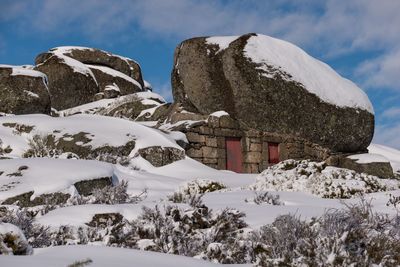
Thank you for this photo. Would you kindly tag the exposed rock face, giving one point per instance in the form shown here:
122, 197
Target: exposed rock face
209, 76
379, 169
24, 200
68, 88
23, 91
84, 188
105, 219
160, 156
79, 75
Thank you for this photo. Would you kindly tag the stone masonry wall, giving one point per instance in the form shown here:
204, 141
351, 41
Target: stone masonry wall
207, 145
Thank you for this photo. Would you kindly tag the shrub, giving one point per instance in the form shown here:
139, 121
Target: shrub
192, 191
42, 146
318, 179
37, 235
266, 197
81, 263
115, 195
353, 236
13, 241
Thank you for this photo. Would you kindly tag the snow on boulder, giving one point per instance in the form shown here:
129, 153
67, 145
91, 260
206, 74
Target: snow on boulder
141, 106
13, 241
23, 90
392, 154
271, 85
368, 158
86, 136
39, 181
77, 74
373, 164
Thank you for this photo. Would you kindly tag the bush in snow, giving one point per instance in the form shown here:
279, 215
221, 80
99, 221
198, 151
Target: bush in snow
318, 179
354, 236
192, 232
81, 263
267, 198
13, 241
41, 146
37, 235
112, 195
191, 190
394, 201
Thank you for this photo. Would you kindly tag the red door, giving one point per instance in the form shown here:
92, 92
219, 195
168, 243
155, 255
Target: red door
233, 154
273, 153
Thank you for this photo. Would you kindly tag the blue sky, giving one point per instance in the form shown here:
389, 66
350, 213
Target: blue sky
358, 38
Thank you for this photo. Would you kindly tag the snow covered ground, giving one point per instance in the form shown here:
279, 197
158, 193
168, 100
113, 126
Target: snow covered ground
50, 175
98, 256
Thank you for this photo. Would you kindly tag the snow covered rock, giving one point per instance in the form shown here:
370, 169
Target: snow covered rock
13, 241
23, 90
141, 106
271, 85
40, 181
373, 164
85, 136
77, 74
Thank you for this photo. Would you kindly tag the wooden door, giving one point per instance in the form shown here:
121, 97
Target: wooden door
273, 153
234, 159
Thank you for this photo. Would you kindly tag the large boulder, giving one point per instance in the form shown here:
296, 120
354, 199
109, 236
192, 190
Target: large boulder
271, 85
23, 90
79, 75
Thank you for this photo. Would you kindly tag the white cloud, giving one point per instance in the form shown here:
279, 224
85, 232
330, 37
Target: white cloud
163, 89
387, 135
383, 71
392, 113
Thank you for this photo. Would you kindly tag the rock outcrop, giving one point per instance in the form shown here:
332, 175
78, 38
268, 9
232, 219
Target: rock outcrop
79, 75
372, 164
23, 90
272, 86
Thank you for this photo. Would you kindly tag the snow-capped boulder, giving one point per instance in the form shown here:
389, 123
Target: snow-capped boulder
78, 74
71, 83
271, 85
13, 241
23, 90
